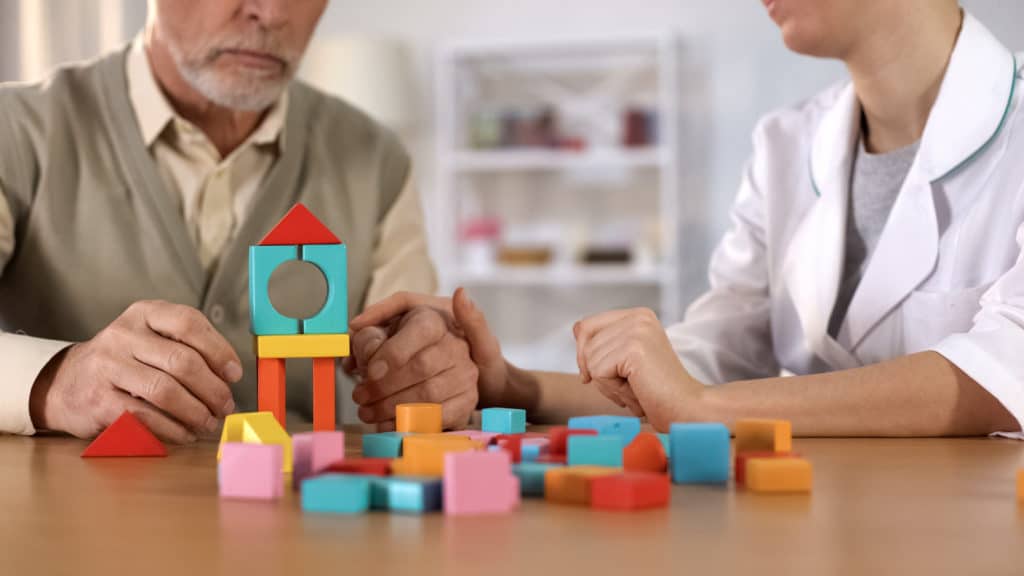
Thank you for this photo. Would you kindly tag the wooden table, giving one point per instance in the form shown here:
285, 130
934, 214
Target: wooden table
878, 507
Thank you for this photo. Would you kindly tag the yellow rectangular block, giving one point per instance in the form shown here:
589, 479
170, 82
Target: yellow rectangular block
423, 455
779, 475
418, 418
759, 435
303, 346
571, 484
257, 428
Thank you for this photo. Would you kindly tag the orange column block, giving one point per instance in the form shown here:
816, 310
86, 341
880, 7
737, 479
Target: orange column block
420, 418
779, 475
756, 435
323, 394
645, 453
571, 484
270, 373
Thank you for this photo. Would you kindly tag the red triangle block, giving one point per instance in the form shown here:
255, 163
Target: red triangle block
127, 436
299, 226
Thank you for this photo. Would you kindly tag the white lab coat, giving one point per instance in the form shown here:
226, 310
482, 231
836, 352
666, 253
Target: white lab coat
948, 271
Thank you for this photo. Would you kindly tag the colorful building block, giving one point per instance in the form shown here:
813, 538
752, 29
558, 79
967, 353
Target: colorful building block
424, 455
630, 491
303, 346
558, 438
741, 459
418, 418
477, 435
595, 451
530, 452
571, 484
323, 394
700, 453
264, 318
479, 483
250, 471
362, 466
513, 444
336, 494
125, 437
779, 475
313, 452
257, 428
759, 435
549, 458
406, 495
645, 454
271, 391
626, 427
383, 445
503, 420
531, 478
299, 226
332, 260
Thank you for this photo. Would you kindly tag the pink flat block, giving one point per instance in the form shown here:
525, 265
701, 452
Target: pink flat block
313, 452
478, 435
251, 471
479, 483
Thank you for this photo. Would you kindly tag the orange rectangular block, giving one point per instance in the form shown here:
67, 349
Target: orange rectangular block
419, 418
756, 435
270, 375
423, 455
323, 395
779, 475
571, 484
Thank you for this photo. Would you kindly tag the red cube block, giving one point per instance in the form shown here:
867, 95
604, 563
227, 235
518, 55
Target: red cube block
559, 437
369, 466
630, 491
741, 462
513, 444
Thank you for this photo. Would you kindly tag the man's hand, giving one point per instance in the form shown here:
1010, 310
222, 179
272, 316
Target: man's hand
415, 348
164, 362
628, 356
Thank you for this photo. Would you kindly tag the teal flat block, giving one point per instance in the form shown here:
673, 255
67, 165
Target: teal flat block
336, 494
531, 477
529, 452
405, 494
595, 451
264, 319
665, 444
504, 420
383, 445
699, 453
332, 260
625, 426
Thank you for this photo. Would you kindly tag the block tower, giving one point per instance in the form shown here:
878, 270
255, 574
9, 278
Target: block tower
322, 338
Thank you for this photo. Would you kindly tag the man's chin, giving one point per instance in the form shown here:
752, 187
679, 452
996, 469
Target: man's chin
243, 92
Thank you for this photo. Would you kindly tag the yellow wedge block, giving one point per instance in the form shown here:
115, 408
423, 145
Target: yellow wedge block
303, 346
257, 428
779, 475
753, 435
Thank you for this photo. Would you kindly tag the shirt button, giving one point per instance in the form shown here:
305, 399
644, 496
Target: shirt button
217, 313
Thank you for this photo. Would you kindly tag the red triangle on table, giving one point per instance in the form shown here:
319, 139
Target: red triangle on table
127, 436
299, 226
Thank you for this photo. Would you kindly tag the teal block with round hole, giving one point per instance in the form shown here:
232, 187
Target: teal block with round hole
332, 260
264, 319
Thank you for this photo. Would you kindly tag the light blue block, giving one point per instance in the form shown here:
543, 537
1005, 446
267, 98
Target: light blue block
263, 318
332, 260
494, 448
336, 494
531, 477
406, 494
699, 453
529, 452
504, 420
383, 445
595, 451
625, 426
665, 444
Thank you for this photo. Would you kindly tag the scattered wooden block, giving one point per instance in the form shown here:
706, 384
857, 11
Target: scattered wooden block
423, 455
250, 471
626, 427
530, 452
362, 466
595, 451
405, 495
630, 491
740, 468
125, 437
419, 418
531, 478
503, 420
383, 445
513, 444
257, 428
303, 346
699, 453
571, 484
479, 483
558, 438
779, 475
313, 452
760, 435
645, 454
336, 494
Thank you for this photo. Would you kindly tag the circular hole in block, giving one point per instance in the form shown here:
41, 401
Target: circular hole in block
297, 289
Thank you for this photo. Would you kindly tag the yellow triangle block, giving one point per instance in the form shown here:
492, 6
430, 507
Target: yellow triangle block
257, 428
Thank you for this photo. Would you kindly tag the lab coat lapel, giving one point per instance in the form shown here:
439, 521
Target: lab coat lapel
814, 259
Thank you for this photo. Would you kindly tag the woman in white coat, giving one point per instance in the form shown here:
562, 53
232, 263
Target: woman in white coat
874, 253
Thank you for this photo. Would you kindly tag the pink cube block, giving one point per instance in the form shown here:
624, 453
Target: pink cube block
479, 483
313, 452
251, 471
478, 435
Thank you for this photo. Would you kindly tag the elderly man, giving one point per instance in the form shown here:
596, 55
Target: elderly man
132, 187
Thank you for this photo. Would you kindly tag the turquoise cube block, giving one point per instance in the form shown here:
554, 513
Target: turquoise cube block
383, 445
263, 318
626, 427
412, 495
531, 477
699, 453
332, 260
336, 494
595, 451
504, 420
665, 444
529, 452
